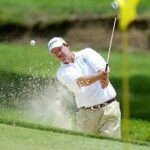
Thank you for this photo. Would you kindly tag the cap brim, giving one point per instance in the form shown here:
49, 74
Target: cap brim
55, 45
55, 42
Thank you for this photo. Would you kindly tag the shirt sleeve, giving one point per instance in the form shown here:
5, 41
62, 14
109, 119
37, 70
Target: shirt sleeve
69, 80
95, 60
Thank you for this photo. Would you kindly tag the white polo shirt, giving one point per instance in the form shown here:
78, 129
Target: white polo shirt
87, 62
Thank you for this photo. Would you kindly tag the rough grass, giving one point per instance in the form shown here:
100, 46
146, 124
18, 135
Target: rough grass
140, 130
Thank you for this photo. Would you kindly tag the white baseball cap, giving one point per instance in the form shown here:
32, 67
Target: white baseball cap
55, 42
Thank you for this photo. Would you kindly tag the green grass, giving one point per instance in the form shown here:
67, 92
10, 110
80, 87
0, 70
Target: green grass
140, 130
138, 63
22, 138
27, 60
30, 12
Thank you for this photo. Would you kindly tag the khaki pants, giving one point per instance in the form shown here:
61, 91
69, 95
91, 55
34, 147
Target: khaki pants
104, 121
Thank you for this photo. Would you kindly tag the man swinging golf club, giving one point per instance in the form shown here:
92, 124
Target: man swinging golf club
83, 73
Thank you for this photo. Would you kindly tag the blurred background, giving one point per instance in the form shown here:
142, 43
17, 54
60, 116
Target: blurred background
29, 90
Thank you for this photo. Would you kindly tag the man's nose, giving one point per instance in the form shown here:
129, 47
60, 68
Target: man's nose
58, 54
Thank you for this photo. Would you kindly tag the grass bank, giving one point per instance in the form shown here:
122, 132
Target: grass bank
140, 138
138, 129
31, 12
22, 138
34, 60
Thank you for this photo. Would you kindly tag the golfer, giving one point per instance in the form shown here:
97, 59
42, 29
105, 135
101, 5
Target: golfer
83, 74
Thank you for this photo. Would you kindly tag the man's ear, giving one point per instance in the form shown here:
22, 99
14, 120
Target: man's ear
66, 44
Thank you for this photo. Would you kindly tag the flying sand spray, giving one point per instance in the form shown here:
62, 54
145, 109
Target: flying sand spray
49, 106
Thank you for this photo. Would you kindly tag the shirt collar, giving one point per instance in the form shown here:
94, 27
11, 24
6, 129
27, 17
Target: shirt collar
76, 57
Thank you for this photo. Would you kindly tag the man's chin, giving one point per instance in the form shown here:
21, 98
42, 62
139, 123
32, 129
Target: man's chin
65, 61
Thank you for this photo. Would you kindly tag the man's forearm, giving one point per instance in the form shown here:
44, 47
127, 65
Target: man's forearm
88, 80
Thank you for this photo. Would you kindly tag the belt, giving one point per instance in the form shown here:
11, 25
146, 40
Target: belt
98, 105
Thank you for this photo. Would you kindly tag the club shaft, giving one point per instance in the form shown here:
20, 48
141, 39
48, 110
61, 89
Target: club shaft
110, 43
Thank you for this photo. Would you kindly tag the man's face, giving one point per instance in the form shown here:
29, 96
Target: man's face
62, 53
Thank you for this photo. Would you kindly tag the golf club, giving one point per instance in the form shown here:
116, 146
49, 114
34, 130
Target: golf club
115, 7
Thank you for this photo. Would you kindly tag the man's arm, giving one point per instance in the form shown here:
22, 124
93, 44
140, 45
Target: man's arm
88, 80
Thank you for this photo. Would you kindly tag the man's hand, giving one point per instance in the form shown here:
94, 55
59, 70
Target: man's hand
104, 83
104, 80
102, 75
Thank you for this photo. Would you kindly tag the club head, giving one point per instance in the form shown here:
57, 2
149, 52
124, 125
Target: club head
114, 5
